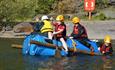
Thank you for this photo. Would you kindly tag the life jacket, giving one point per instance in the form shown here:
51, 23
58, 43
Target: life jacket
80, 30
106, 49
47, 27
58, 27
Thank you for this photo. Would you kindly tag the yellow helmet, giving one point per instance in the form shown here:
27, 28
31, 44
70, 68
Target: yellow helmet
107, 39
75, 20
60, 18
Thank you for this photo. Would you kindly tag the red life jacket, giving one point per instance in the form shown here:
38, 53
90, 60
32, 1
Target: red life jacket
80, 30
59, 27
105, 48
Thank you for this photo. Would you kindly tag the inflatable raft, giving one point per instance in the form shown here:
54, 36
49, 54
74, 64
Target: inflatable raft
35, 44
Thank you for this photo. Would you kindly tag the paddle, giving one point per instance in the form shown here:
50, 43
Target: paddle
70, 49
16, 46
57, 54
48, 45
84, 52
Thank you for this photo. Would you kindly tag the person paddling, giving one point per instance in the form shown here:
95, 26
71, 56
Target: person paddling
79, 33
60, 31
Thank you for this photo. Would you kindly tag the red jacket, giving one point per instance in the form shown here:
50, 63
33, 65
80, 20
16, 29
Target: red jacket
79, 32
106, 49
59, 27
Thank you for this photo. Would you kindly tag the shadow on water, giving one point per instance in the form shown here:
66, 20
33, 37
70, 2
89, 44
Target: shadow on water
12, 59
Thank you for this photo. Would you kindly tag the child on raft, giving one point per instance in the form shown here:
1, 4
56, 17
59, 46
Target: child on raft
60, 31
79, 33
106, 48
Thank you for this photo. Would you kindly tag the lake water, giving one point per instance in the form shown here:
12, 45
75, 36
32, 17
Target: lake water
12, 59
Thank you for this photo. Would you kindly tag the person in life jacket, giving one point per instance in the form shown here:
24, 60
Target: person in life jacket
60, 31
106, 47
79, 33
45, 27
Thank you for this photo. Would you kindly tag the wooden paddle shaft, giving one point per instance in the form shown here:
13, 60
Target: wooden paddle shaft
52, 46
60, 48
48, 45
16, 46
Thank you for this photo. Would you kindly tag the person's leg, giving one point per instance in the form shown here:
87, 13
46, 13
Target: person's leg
64, 44
50, 35
84, 42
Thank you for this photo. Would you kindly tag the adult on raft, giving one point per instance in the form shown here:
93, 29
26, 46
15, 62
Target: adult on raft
80, 34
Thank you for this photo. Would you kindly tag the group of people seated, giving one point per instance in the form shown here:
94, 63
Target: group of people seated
57, 30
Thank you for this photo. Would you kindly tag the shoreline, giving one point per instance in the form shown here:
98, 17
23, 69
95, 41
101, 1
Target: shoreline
95, 30
90, 36
13, 37
11, 34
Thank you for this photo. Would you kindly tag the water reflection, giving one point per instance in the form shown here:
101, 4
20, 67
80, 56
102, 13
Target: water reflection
59, 65
12, 59
68, 63
107, 65
36, 62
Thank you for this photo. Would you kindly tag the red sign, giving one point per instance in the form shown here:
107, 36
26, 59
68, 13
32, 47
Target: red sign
89, 5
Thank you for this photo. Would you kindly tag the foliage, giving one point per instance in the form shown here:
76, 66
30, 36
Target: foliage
100, 4
69, 6
101, 16
14, 10
11, 10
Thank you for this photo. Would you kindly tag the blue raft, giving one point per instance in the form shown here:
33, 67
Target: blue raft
33, 49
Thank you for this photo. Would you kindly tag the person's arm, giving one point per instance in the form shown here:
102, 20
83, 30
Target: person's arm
57, 32
60, 30
54, 23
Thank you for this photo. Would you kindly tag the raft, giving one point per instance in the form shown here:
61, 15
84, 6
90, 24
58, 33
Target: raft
35, 44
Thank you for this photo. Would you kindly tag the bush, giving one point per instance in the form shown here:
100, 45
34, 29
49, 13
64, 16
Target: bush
101, 16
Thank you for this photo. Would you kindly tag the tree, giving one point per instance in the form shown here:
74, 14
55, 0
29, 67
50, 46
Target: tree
11, 10
68, 6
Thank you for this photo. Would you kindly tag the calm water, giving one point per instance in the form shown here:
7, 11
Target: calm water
12, 59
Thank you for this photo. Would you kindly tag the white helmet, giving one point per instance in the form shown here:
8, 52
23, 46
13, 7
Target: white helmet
44, 17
